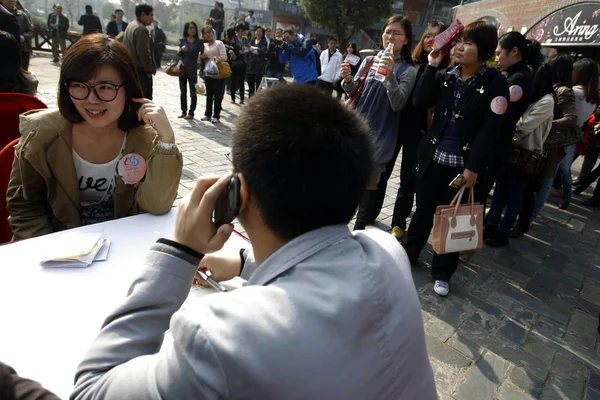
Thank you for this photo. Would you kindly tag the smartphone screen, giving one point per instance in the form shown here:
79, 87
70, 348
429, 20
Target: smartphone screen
227, 207
458, 182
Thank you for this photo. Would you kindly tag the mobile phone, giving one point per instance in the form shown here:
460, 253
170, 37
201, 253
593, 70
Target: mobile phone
458, 182
228, 204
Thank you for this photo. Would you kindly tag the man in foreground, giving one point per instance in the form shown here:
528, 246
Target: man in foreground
326, 313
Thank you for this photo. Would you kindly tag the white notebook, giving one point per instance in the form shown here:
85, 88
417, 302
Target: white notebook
77, 250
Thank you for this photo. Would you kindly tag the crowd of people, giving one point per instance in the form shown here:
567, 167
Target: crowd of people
305, 168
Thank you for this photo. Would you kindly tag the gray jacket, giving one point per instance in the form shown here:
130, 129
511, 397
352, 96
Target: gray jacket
330, 315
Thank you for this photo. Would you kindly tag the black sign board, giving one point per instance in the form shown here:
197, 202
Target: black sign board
576, 25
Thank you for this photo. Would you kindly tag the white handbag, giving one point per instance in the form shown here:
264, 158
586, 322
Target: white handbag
458, 227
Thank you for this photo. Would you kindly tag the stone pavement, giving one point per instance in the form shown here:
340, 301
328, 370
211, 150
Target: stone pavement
520, 322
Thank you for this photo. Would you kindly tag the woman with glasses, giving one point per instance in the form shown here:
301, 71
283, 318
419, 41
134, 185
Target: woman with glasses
382, 101
106, 153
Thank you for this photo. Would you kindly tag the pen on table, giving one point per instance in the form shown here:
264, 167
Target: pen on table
211, 281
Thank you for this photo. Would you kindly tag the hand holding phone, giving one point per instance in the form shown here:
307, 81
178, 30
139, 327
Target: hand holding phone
458, 182
194, 226
228, 204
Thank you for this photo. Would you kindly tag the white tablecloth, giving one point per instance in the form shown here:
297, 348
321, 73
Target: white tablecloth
48, 317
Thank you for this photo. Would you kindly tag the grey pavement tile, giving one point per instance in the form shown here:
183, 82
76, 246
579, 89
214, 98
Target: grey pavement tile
484, 378
523, 316
509, 351
592, 394
534, 346
507, 392
541, 286
465, 346
581, 330
526, 382
594, 381
531, 302
557, 388
591, 291
512, 331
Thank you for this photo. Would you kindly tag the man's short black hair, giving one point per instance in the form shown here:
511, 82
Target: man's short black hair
118, 10
88, 8
306, 164
143, 9
290, 31
332, 39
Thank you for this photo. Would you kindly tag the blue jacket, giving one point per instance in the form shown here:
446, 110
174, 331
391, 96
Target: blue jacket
302, 57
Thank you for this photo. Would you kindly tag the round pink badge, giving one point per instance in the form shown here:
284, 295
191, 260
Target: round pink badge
132, 168
499, 105
516, 92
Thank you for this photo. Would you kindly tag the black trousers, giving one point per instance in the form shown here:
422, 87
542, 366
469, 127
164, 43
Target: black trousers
405, 197
146, 82
157, 58
432, 191
184, 83
253, 83
327, 87
214, 95
237, 83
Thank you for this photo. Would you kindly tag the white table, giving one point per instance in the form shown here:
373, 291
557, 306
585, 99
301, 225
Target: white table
49, 317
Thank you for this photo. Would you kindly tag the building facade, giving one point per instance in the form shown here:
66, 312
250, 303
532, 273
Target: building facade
564, 26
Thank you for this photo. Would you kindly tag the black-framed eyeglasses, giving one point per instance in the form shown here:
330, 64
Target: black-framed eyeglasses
228, 156
104, 91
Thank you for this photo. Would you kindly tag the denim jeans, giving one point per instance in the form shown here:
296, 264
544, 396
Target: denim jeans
541, 196
509, 191
564, 169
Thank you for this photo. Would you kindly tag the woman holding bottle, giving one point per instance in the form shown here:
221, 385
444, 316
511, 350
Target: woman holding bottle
471, 100
190, 47
414, 123
390, 78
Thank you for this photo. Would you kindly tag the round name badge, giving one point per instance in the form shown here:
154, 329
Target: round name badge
499, 105
516, 93
132, 168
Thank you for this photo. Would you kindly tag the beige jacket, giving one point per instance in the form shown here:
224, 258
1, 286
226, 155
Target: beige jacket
137, 40
535, 124
43, 193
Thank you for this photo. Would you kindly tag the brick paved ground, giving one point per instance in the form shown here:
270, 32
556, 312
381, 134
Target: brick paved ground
521, 322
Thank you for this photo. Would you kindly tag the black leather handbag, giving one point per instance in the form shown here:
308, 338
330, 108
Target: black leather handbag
527, 162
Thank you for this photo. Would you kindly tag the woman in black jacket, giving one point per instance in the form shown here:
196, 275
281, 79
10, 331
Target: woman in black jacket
471, 100
257, 61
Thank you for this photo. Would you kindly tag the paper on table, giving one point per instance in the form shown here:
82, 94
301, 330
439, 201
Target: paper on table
77, 250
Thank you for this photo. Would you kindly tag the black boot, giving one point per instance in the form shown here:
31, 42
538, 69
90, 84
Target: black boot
499, 239
519, 230
489, 231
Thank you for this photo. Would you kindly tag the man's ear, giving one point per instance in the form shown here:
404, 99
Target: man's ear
244, 193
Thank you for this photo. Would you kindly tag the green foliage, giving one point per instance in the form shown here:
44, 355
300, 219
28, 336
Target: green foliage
346, 17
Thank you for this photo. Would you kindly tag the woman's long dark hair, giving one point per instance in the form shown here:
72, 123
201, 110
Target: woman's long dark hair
585, 73
12, 76
529, 50
419, 55
187, 26
354, 48
407, 26
541, 84
562, 67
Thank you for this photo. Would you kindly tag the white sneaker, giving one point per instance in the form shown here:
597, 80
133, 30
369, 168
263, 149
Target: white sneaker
442, 288
215, 120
